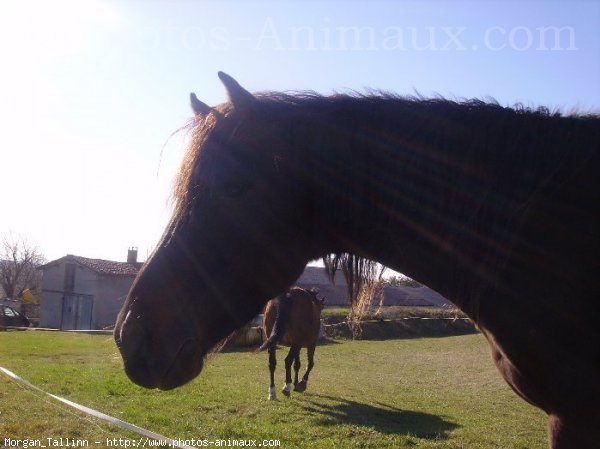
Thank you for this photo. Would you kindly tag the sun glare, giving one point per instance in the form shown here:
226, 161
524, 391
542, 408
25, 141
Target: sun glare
36, 31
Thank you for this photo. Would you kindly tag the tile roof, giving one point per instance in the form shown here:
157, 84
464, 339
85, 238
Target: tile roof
394, 295
101, 266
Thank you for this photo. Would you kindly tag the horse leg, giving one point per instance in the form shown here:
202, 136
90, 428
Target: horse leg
301, 387
272, 365
288, 370
296, 368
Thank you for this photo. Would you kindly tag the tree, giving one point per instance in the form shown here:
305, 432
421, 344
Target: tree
19, 261
403, 281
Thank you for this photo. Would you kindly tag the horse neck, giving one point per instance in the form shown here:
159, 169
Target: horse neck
425, 191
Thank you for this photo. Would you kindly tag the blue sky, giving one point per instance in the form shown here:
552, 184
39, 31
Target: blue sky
90, 91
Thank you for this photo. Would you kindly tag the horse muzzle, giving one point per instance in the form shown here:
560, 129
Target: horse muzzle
154, 361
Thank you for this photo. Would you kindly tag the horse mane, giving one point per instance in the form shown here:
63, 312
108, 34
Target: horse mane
198, 128
361, 274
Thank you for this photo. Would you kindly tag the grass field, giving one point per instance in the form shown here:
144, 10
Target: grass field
337, 314
425, 393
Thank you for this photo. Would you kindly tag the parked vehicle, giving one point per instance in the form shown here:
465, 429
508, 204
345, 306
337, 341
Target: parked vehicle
9, 317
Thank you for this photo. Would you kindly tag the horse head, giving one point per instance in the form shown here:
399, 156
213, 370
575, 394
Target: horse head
239, 199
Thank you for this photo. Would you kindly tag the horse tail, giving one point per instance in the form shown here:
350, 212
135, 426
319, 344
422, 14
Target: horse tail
270, 342
282, 318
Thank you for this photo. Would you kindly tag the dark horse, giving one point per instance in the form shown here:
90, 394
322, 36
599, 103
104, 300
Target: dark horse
493, 207
292, 319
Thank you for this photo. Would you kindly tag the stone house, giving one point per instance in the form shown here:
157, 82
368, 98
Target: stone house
82, 293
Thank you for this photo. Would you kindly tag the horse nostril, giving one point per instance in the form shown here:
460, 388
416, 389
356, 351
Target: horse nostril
132, 336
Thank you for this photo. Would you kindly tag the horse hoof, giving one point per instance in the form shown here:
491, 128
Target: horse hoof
301, 387
272, 394
286, 389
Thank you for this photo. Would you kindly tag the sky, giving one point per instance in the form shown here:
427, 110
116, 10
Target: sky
91, 91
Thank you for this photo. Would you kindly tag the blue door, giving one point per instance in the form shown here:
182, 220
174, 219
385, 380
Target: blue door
77, 312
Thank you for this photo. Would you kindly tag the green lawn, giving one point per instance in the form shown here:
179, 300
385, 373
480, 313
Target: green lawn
423, 392
337, 314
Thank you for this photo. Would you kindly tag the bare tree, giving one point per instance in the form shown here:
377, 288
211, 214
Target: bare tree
19, 261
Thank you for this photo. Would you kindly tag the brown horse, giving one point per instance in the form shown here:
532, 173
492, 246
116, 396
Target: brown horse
292, 319
493, 207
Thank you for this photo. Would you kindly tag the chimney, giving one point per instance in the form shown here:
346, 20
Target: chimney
132, 254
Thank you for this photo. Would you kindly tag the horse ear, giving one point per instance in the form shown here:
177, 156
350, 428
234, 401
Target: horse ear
240, 97
198, 107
